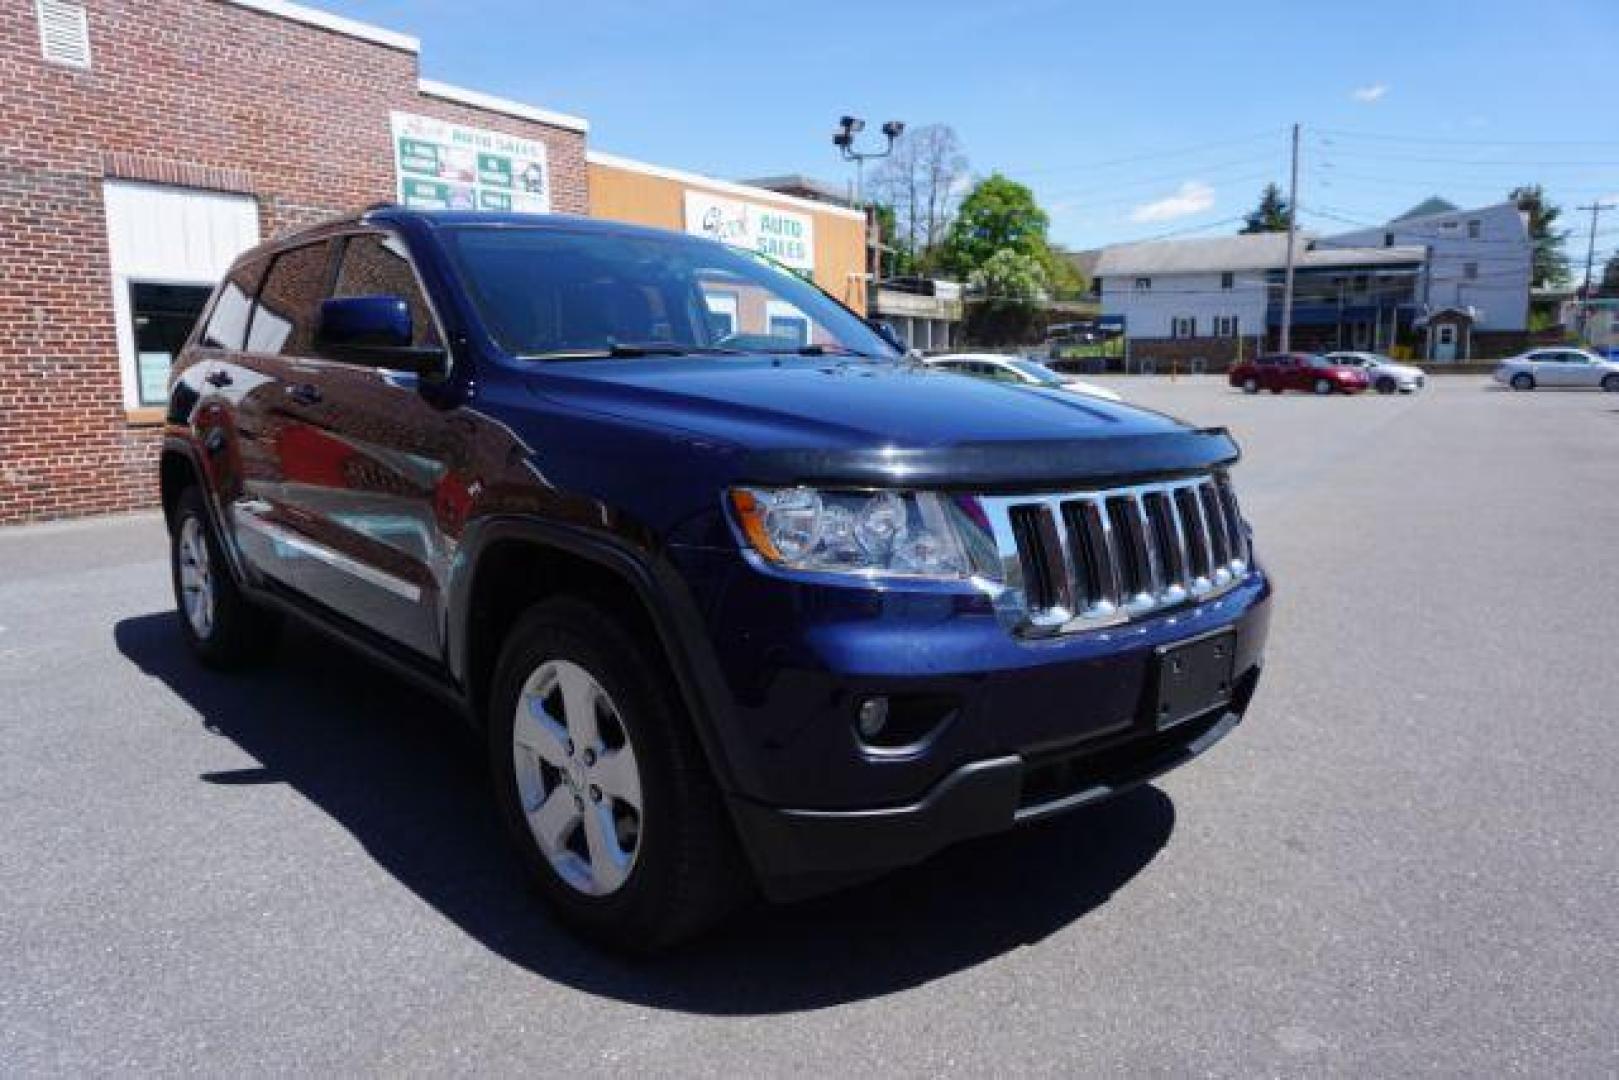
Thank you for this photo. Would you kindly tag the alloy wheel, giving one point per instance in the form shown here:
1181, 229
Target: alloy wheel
577, 777
196, 578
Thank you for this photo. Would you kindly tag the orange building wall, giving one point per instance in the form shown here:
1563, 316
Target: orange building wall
645, 199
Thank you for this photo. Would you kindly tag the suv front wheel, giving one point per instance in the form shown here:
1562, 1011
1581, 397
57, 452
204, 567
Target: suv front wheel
602, 785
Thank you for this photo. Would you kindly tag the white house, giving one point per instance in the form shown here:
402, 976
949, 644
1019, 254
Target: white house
1213, 300
1213, 288
1478, 261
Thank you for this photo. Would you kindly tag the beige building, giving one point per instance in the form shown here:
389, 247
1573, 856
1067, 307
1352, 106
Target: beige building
825, 243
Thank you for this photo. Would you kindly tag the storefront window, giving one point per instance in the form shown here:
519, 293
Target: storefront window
164, 316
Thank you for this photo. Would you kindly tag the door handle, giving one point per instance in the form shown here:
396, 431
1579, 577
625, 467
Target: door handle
304, 393
219, 377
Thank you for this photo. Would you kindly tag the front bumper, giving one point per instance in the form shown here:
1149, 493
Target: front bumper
812, 851
1037, 726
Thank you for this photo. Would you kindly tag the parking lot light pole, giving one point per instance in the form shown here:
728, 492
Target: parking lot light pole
843, 139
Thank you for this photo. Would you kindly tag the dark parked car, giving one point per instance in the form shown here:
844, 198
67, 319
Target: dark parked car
736, 592
1297, 371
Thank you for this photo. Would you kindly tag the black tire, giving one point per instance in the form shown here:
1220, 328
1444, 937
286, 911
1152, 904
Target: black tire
1610, 383
1250, 385
1276, 389
1387, 386
1523, 381
238, 632
687, 870
1323, 387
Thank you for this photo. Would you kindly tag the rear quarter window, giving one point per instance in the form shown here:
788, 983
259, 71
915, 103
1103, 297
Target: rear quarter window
226, 327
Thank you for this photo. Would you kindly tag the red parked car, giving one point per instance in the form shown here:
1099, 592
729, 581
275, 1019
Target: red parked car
1297, 371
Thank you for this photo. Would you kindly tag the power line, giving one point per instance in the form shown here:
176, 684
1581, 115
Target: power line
1138, 197
1446, 182
1176, 152
1182, 174
1427, 139
1538, 163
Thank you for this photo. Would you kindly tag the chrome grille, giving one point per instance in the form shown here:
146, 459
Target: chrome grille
1077, 560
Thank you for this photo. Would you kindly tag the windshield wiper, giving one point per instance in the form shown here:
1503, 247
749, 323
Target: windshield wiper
829, 350
623, 350
646, 348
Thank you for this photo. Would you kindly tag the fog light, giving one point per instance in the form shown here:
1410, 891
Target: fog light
872, 717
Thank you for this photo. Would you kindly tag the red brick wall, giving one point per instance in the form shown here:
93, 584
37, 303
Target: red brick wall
194, 91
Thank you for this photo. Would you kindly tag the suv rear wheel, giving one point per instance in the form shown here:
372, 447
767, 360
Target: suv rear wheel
1610, 383
1523, 381
602, 785
221, 625
1250, 385
1322, 386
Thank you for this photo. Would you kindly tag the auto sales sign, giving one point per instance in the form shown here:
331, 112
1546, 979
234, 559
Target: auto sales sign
787, 237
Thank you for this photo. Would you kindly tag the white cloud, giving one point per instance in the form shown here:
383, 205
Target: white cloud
1192, 197
1369, 94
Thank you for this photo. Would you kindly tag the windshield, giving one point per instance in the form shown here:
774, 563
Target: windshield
1318, 361
1037, 372
548, 293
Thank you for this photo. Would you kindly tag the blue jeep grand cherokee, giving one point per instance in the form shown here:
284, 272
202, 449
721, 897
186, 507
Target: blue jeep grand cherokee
737, 591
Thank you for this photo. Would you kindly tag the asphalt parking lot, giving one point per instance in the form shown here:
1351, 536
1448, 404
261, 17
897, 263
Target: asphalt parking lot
1404, 861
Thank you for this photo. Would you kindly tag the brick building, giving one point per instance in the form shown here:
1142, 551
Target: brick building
144, 143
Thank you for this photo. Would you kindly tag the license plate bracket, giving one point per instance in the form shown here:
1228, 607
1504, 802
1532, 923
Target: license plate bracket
1192, 678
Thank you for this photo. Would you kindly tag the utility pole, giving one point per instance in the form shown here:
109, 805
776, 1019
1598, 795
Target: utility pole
1590, 257
1292, 239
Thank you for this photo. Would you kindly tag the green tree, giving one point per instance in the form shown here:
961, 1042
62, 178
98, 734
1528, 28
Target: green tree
1008, 287
997, 214
900, 259
1609, 285
1270, 215
1550, 262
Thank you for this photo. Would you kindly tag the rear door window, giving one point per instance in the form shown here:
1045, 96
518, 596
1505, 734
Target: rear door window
284, 320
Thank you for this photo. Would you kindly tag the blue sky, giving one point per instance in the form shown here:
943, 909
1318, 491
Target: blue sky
1128, 120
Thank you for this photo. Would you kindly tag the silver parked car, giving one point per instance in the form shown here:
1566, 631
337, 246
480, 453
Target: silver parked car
1560, 366
1385, 375
1015, 369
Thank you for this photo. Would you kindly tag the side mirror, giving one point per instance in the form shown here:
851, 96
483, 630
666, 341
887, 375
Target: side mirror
375, 331
886, 331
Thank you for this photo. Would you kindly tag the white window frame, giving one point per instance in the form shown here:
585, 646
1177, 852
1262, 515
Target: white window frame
1143, 284
781, 309
728, 304
132, 262
1182, 326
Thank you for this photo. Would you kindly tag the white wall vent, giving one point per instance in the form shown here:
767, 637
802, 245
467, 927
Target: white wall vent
64, 32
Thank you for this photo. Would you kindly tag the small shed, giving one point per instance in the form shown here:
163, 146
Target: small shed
1450, 333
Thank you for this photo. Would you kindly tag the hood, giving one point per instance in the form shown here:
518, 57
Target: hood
813, 419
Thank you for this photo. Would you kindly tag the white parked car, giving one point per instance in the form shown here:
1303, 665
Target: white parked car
1558, 367
1384, 374
1015, 369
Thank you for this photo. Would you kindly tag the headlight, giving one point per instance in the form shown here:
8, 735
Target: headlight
912, 534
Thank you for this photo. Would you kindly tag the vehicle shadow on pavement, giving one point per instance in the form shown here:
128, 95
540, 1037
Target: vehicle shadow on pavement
401, 773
